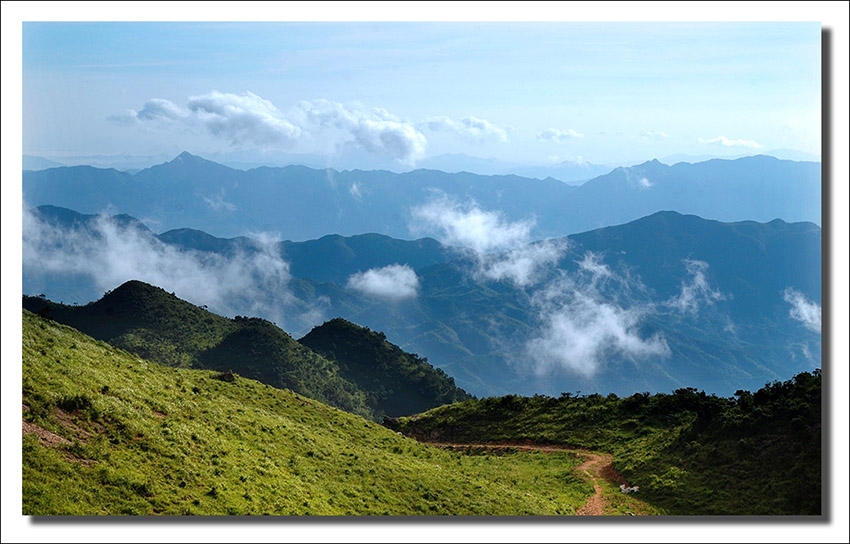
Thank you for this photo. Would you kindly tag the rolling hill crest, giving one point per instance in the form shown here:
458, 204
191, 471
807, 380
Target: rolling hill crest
157, 325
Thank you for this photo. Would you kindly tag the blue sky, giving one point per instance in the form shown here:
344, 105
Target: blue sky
397, 93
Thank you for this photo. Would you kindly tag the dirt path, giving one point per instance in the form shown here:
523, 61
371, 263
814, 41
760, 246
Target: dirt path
595, 505
595, 467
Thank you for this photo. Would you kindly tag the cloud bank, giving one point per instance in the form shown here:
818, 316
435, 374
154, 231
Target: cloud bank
251, 282
803, 310
501, 249
581, 328
250, 119
394, 282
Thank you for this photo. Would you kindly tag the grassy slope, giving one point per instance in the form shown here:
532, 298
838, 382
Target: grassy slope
396, 383
156, 325
689, 453
149, 439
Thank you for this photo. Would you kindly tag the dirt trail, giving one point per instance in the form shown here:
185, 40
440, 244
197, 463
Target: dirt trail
595, 505
595, 467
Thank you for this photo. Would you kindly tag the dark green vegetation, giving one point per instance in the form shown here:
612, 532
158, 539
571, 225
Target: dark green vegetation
688, 452
158, 326
107, 432
395, 382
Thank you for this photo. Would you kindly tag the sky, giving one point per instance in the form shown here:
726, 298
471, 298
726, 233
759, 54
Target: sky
392, 94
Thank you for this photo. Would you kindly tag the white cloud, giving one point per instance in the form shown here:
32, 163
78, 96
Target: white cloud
730, 142
645, 183
581, 328
250, 119
696, 292
558, 135
399, 141
393, 282
654, 134
160, 108
470, 128
216, 202
523, 265
253, 281
243, 118
354, 190
803, 310
470, 226
500, 249
375, 130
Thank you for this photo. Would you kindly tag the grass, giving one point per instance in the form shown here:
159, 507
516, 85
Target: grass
690, 453
143, 438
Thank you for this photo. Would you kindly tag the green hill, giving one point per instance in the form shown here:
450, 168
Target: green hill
156, 325
108, 433
688, 452
339, 363
395, 382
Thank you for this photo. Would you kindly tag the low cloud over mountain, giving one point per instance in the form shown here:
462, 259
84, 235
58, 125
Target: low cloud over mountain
393, 282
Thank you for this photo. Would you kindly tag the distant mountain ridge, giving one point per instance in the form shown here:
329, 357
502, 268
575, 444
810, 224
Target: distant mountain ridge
300, 203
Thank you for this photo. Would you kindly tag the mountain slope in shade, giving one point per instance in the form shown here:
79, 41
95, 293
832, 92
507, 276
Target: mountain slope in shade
394, 381
153, 324
156, 325
298, 203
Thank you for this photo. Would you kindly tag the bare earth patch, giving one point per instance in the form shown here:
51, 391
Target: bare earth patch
53, 440
46, 437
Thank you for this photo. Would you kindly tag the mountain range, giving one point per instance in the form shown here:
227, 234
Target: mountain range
300, 203
682, 299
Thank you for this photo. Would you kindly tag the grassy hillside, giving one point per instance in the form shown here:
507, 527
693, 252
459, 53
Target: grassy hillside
106, 432
690, 453
395, 382
156, 325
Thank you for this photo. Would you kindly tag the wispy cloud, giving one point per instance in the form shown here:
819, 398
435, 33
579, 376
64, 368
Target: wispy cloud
252, 281
696, 291
654, 135
803, 310
217, 203
393, 282
581, 328
354, 190
469, 128
469, 225
501, 249
731, 142
559, 135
